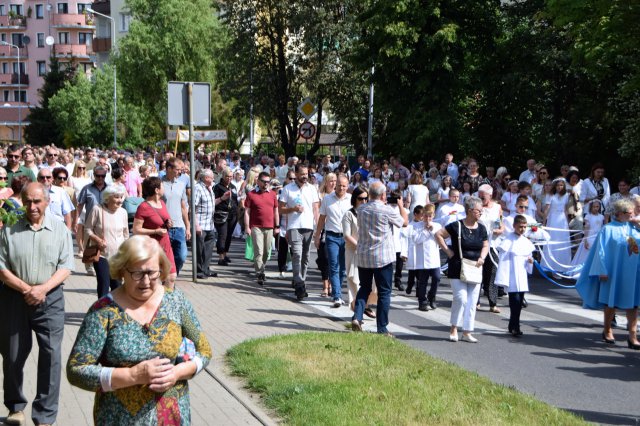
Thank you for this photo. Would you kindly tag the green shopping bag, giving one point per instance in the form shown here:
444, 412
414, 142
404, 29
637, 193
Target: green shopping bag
248, 248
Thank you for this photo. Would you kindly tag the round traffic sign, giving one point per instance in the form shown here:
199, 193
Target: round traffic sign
307, 130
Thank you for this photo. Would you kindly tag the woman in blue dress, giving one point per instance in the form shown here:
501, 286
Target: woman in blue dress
610, 278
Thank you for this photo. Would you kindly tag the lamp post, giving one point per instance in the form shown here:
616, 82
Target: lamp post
19, 92
115, 89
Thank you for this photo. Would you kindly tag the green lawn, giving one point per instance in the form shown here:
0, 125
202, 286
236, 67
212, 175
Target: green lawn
367, 379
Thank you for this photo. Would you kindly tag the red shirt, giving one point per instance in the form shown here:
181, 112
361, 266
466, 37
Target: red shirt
262, 205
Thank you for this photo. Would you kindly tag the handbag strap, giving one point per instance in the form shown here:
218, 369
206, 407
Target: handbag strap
157, 211
460, 239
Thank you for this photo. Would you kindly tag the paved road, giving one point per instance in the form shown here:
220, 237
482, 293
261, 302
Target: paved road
560, 359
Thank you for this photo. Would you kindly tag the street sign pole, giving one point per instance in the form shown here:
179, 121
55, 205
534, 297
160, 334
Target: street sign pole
192, 173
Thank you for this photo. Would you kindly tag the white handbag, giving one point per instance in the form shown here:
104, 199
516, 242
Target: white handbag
469, 272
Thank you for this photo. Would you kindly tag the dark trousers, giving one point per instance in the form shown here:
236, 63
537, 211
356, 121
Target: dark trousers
17, 321
322, 262
423, 280
205, 240
515, 305
489, 277
411, 281
225, 231
383, 277
283, 251
103, 277
399, 265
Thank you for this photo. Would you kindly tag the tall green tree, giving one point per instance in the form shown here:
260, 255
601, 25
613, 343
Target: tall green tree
168, 40
84, 111
43, 128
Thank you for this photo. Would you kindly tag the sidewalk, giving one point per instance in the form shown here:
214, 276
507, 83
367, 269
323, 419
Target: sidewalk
231, 308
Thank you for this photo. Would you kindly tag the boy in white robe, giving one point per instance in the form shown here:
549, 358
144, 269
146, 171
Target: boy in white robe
516, 262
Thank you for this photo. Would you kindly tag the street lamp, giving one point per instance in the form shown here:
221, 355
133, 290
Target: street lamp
115, 98
4, 43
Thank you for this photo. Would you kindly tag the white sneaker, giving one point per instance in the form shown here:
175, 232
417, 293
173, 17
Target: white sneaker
453, 337
338, 303
90, 270
469, 338
281, 275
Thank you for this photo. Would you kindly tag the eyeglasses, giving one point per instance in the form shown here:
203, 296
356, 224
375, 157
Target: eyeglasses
45, 177
522, 207
52, 155
13, 156
139, 275
543, 173
80, 168
99, 176
363, 198
266, 182
3, 178
61, 177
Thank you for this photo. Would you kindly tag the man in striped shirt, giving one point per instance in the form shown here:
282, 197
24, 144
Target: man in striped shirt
204, 201
376, 253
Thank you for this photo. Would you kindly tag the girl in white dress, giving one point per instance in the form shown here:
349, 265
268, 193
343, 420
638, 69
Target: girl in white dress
557, 254
593, 223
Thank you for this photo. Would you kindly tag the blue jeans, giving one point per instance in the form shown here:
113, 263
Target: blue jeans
334, 246
178, 239
384, 277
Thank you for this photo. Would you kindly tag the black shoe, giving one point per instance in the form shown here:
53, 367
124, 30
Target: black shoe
432, 304
223, 262
633, 345
201, 276
516, 333
409, 288
609, 341
423, 307
261, 279
524, 303
211, 274
400, 286
226, 259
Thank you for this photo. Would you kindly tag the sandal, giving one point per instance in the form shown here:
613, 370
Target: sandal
494, 309
325, 293
369, 312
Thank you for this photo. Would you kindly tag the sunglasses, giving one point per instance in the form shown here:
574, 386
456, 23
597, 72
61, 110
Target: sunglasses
265, 181
52, 155
522, 207
363, 198
100, 176
45, 177
61, 177
3, 178
81, 168
13, 156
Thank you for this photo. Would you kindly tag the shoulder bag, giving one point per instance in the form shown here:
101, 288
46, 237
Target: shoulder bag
469, 272
92, 253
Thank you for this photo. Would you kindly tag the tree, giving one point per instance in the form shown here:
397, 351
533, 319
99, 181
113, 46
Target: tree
84, 110
168, 40
43, 128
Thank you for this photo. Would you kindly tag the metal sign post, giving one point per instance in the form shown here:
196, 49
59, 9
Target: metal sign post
190, 104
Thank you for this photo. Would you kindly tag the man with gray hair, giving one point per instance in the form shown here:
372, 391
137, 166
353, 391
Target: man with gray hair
281, 172
376, 253
204, 200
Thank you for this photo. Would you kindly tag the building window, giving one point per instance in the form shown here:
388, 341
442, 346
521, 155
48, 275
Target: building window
22, 68
85, 38
125, 19
3, 36
5, 96
20, 96
40, 37
63, 8
63, 38
16, 8
82, 7
39, 11
17, 39
42, 67
3, 11
87, 67
5, 68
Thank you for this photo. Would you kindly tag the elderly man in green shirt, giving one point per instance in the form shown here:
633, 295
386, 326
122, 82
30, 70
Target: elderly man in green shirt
35, 258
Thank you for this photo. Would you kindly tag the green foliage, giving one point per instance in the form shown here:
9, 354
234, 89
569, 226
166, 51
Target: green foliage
43, 128
168, 40
84, 109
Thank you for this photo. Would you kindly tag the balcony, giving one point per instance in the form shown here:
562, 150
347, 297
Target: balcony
18, 21
102, 6
12, 52
71, 20
101, 44
13, 80
73, 50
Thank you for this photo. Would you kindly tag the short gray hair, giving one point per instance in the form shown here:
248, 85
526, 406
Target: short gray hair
471, 202
112, 191
376, 190
622, 206
204, 173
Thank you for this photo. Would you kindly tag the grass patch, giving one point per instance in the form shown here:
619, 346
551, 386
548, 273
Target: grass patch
364, 378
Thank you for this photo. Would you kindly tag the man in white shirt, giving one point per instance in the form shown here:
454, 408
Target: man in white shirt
530, 174
299, 202
60, 205
51, 160
332, 210
452, 168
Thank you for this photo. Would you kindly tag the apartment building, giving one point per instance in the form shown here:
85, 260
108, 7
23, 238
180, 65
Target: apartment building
31, 32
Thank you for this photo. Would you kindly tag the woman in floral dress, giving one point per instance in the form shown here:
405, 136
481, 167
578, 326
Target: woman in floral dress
128, 349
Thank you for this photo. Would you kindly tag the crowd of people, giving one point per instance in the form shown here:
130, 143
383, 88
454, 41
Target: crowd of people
374, 224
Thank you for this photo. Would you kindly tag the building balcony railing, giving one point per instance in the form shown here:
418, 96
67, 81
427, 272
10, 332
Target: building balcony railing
60, 20
14, 79
17, 21
101, 44
12, 52
75, 50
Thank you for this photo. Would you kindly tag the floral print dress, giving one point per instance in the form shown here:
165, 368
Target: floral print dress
109, 337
